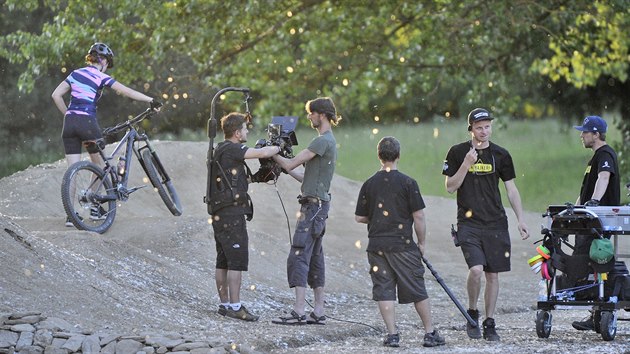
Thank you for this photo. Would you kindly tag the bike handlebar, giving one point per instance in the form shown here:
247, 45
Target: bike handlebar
135, 120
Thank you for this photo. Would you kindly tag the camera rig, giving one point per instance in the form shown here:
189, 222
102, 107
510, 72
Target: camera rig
280, 132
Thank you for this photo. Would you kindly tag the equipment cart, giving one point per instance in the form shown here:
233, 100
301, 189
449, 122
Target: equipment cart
576, 281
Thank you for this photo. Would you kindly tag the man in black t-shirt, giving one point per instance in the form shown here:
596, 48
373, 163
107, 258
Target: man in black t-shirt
392, 206
473, 169
600, 185
228, 223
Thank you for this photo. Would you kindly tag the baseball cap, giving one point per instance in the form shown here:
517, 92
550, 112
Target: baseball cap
478, 114
592, 124
601, 251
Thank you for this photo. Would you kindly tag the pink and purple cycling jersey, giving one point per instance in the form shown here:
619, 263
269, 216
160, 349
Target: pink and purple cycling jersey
86, 84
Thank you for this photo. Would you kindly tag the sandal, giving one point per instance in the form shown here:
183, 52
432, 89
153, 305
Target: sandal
313, 319
293, 320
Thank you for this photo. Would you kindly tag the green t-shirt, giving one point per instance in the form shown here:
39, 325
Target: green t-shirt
319, 170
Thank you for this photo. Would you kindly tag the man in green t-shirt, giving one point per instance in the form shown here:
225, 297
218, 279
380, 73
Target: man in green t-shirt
305, 263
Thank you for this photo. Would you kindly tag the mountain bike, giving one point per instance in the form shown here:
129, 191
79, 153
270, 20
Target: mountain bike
90, 192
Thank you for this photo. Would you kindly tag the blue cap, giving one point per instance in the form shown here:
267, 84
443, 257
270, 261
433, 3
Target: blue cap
592, 124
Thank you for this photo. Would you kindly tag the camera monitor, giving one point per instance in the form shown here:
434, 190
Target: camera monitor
284, 126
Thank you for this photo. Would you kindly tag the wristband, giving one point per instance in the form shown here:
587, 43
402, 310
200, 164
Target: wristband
543, 251
537, 258
545, 271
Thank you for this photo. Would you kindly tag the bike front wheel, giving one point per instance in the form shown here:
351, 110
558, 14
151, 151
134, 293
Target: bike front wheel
88, 197
161, 183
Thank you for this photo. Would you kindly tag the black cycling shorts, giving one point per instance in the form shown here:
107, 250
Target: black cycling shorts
78, 129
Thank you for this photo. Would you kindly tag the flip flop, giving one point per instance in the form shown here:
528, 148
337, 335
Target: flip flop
293, 320
313, 319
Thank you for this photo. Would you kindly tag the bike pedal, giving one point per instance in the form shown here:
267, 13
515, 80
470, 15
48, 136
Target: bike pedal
133, 189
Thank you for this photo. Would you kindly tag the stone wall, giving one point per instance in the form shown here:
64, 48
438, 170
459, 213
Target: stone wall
32, 333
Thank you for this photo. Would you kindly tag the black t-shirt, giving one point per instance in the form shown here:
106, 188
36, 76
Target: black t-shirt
604, 160
232, 160
389, 199
479, 198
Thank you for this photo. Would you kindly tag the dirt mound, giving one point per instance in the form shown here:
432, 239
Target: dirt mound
154, 272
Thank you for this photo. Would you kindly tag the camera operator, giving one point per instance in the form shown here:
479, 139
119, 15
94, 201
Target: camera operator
228, 223
305, 263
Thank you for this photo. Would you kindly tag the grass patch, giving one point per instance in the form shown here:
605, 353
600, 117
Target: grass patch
549, 158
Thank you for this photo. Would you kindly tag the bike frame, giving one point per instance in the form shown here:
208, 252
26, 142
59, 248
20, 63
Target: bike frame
130, 142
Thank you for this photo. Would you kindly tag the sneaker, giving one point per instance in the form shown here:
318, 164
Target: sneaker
586, 325
473, 332
433, 339
69, 222
489, 331
241, 314
97, 213
392, 340
222, 310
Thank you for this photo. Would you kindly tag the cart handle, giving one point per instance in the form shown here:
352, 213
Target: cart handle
584, 210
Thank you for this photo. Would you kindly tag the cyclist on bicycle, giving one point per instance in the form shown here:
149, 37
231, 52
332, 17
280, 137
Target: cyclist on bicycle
80, 122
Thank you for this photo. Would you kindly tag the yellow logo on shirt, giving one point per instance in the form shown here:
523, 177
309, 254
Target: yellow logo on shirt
480, 167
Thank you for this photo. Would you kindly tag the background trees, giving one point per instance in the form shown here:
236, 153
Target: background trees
398, 61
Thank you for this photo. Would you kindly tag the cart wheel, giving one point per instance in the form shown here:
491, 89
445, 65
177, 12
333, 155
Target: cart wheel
608, 325
597, 320
543, 324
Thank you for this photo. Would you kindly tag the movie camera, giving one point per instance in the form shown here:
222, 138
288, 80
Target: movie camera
280, 132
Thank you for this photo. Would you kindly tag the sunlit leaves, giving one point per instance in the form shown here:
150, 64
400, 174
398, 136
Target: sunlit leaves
596, 43
405, 58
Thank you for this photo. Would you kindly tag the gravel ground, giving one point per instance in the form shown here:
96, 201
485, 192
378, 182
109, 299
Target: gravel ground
153, 272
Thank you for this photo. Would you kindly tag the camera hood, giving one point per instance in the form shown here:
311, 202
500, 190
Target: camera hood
284, 126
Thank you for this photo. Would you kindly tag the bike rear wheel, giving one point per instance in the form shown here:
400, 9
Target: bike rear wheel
160, 182
88, 197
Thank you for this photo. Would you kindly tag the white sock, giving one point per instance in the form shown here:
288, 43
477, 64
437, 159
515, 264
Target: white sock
236, 306
225, 304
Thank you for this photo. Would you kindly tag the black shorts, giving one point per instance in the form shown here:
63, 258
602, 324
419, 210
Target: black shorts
230, 236
78, 129
487, 247
402, 271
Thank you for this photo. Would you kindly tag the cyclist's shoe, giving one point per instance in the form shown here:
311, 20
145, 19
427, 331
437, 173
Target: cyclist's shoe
433, 339
97, 213
473, 332
69, 222
489, 330
222, 310
586, 325
241, 314
392, 340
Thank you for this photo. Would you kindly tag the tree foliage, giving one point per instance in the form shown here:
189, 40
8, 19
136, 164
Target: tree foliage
400, 61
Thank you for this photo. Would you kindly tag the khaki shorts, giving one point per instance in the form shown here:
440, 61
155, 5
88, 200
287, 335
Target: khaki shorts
397, 272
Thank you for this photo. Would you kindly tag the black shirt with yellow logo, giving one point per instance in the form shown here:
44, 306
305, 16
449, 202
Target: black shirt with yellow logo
479, 198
